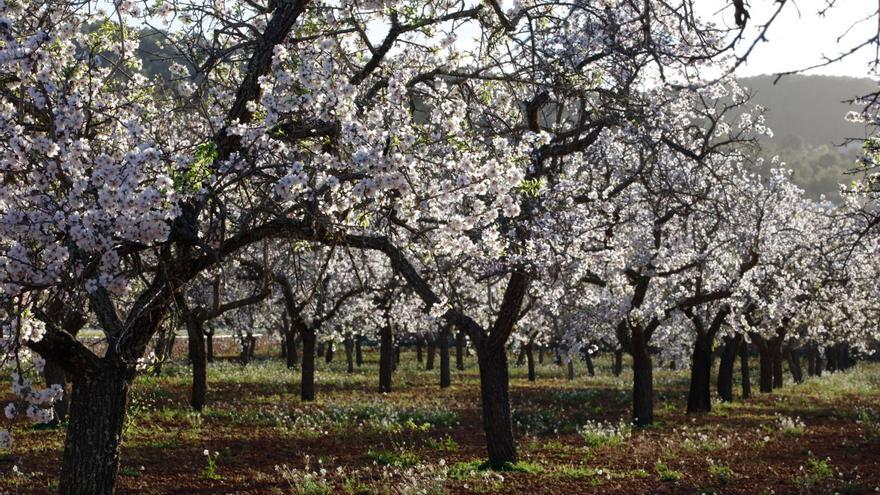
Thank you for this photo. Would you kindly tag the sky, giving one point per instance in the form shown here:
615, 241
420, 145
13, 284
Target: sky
799, 37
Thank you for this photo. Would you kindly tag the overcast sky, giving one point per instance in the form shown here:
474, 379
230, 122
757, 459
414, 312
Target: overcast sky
800, 38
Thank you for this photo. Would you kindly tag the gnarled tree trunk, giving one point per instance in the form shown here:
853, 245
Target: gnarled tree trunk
97, 416
495, 396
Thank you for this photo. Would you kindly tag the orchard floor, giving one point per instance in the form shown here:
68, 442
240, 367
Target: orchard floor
822, 436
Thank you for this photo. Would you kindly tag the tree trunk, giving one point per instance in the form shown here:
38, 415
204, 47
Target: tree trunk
320, 349
766, 366
199, 360
432, 350
494, 393
725, 368
460, 346
209, 345
570, 370
97, 416
745, 375
358, 351
590, 369
445, 372
617, 366
540, 354
386, 359
699, 394
290, 353
396, 361
643, 381
811, 361
521, 357
54, 374
349, 354
530, 359
307, 372
328, 355
420, 352
777, 367
794, 365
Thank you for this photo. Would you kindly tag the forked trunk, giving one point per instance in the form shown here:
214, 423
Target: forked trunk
97, 416
307, 373
494, 393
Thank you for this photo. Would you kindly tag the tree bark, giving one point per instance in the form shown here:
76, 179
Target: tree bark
643, 381
432, 350
420, 350
570, 370
445, 372
54, 374
291, 354
589, 360
328, 355
530, 360
199, 361
540, 354
617, 366
745, 375
725, 368
460, 346
495, 396
794, 365
97, 416
209, 345
777, 367
699, 394
307, 372
811, 361
386, 359
358, 351
766, 368
349, 354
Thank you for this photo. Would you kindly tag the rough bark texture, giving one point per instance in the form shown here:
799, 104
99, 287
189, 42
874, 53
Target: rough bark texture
307, 372
494, 392
699, 394
97, 416
386, 359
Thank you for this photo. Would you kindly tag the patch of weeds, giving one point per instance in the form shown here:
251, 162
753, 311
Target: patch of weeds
537, 422
817, 471
210, 471
639, 473
602, 433
446, 444
870, 422
393, 458
722, 473
792, 427
665, 473
129, 472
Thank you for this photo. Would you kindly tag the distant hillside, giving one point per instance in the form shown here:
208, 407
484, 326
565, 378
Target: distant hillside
806, 114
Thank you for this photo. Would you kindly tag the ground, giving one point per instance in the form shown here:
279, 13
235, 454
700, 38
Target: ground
822, 436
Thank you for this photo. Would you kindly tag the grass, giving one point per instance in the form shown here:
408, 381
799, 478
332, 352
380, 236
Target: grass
569, 433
